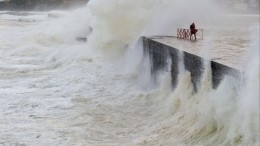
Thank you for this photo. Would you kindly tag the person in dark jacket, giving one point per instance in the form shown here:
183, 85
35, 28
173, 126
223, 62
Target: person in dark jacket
193, 30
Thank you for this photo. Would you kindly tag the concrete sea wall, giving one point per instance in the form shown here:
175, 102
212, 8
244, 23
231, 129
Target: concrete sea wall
161, 56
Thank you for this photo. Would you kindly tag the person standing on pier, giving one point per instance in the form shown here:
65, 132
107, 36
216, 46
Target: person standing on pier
193, 30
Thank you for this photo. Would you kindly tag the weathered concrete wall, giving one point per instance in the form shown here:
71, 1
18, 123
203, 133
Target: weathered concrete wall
160, 53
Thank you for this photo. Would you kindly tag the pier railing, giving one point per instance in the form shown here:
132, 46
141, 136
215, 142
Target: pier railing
185, 33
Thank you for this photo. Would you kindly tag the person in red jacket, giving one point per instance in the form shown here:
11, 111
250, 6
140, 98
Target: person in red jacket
193, 30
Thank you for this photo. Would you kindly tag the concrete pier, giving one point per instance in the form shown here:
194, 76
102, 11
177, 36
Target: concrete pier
160, 52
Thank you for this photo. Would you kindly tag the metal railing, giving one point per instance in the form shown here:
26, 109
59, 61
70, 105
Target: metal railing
185, 33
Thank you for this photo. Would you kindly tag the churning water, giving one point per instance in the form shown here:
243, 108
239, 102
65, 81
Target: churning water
58, 90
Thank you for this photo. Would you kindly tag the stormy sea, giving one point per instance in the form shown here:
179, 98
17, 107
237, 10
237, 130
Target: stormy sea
81, 78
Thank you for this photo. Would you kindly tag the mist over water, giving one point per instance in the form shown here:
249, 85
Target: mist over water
56, 90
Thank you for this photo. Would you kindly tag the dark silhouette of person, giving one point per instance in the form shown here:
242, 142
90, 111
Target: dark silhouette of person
193, 30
